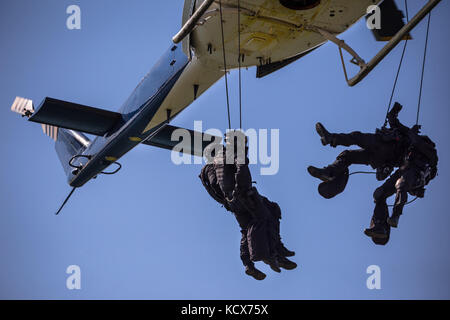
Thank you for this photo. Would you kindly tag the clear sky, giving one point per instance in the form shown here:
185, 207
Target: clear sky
152, 231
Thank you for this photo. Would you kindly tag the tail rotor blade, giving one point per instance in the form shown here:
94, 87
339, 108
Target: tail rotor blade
23, 106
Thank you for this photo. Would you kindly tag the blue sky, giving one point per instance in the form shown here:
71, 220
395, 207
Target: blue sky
151, 231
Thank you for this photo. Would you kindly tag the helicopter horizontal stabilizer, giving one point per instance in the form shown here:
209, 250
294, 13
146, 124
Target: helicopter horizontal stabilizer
68, 115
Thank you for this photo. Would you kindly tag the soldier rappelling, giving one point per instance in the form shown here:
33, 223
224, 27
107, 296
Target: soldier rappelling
227, 179
395, 147
382, 150
419, 167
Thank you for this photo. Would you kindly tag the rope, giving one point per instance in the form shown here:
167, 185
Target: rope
423, 68
399, 68
225, 64
409, 202
395, 85
364, 172
239, 59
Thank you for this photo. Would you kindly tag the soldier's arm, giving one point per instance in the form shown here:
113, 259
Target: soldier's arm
393, 119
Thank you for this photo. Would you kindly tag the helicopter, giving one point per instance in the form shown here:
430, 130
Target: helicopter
216, 36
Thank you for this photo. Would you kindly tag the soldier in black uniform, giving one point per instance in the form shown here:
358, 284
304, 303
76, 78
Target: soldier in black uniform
228, 180
383, 151
418, 169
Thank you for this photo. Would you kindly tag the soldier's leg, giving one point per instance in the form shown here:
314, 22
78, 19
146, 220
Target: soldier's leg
281, 250
275, 211
255, 203
402, 186
363, 140
250, 268
244, 253
273, 223
343, 161
349, 157
258, 232
356, 138
244, 220
378, 227
381, 211
264, 223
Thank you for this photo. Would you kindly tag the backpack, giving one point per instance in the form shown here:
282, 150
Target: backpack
212, 188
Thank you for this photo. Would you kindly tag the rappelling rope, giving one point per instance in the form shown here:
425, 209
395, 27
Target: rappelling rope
400, 65
399, 68
395, 85
423, 68
239, 59
409, 202
362, 172
225, 64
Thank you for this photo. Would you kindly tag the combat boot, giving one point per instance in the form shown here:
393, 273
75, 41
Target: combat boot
285, 252
273, 264
324, 174
255, 273
377, 231
393, 221
325, 137
287, 264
